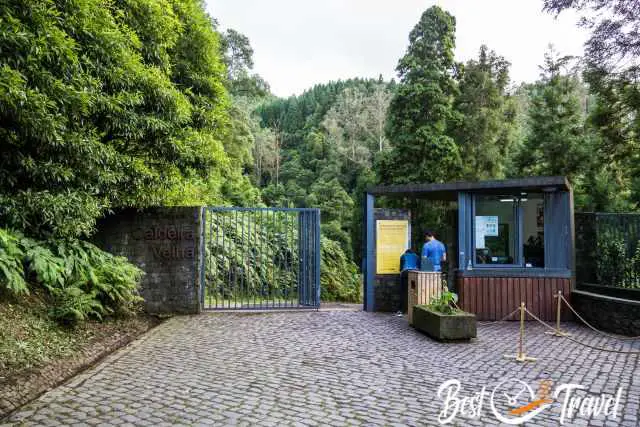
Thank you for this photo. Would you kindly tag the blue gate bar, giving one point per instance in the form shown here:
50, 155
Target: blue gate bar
276, 289
260, 258
368, 262
239, 209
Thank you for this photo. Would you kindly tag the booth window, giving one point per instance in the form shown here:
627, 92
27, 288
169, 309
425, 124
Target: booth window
509, 230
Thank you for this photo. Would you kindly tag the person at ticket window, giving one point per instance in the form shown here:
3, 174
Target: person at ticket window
433, 251
409, 260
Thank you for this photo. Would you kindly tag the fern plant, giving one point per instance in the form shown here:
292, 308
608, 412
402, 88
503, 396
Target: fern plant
11, 264
72, 304
48, 268
81, 280
111, 280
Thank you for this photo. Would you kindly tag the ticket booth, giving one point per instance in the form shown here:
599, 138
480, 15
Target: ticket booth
514, 243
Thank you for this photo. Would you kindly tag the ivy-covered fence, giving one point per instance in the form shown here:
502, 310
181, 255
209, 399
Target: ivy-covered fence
608, 249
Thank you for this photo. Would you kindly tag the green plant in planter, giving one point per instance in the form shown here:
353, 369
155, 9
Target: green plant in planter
445, 303
443, 320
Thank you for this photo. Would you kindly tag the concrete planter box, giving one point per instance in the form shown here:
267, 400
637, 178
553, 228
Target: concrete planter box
444, 327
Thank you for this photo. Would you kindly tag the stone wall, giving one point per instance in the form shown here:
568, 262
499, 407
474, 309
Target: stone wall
166, 244
611, 314
387, 293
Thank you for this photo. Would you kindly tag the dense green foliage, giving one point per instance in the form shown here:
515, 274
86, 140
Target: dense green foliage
448, 121
325, 142
611, 72
128, 103
340, 279
486, 117
80, 280
422, 107
146, 102
555, 143
250, 256
615, 266
108, 104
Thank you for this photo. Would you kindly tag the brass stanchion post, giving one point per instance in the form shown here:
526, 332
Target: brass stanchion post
558, 332
521, 356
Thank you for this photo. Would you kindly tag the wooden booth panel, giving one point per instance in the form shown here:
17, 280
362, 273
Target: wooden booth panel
492, 298
423, 287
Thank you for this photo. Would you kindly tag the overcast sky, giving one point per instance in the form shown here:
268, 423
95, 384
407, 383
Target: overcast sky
298, 43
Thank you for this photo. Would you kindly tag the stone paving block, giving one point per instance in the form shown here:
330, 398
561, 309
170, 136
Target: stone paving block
321, 368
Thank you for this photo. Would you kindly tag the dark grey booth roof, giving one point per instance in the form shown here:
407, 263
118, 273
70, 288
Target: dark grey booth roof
450, 190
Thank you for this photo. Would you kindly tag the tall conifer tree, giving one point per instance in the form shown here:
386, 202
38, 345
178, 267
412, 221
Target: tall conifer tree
485, 133
555, 144
422, 150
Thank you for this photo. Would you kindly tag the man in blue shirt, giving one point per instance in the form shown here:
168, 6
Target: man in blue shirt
434, 251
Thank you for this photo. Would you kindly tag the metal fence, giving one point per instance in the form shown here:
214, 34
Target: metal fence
261, 258
608, 249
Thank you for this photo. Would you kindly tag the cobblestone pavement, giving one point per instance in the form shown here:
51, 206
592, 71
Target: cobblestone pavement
323, 368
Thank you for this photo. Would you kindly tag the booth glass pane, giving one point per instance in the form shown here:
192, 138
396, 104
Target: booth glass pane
532, 208
495, 230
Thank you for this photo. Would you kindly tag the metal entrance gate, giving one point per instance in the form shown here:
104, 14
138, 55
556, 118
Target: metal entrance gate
261, 258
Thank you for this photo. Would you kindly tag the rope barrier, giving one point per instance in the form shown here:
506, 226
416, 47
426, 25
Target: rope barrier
539, 320
578, 342
596, 330
609, 350
503, 319
521, 356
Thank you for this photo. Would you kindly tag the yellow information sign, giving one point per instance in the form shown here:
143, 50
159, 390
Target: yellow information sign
392, 239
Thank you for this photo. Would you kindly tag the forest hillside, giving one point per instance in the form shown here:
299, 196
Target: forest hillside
142, 103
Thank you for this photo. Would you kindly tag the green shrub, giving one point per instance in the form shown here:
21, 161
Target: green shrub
48, 269
11, 268
110, 103
445, 303
80, 280
339, 277
250, 250
72, 304
116, 281
270, 266
615, 266
96, 283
